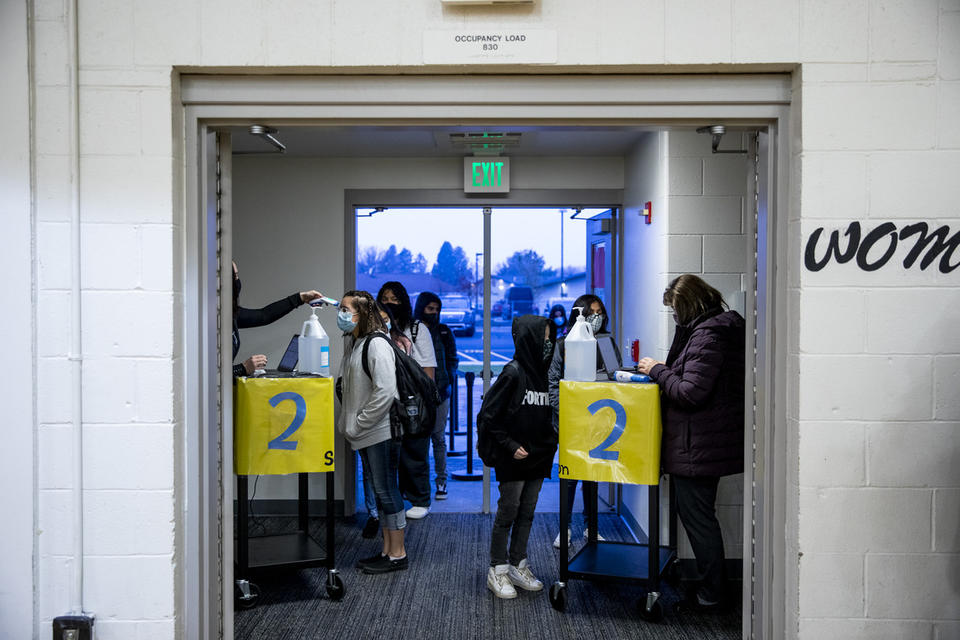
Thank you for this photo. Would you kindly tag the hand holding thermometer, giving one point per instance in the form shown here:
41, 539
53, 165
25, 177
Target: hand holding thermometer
322, 300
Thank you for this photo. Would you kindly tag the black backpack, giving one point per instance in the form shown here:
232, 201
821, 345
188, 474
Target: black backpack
487, 448
415, 412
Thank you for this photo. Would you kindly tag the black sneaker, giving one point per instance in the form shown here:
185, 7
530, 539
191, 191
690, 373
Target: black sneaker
362, 562
441, 493
385, 565
370, 529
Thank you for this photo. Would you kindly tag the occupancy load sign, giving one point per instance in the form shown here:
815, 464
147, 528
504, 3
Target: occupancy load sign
610, 432
283, 425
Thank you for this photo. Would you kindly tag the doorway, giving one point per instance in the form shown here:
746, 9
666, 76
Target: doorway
539, 256
766, 553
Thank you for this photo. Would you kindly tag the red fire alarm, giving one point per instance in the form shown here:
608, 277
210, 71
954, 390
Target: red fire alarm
647, 212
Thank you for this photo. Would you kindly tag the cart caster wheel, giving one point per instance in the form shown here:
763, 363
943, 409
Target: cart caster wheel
335, 588
558, 596
249, 597
653, 614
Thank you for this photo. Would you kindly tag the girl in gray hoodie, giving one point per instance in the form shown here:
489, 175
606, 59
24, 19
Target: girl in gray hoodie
365, 421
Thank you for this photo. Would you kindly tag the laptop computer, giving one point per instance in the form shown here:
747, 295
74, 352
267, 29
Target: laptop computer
608, 354
290, 357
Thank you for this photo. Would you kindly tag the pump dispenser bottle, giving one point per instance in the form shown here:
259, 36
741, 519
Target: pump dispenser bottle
314, 347
580, 361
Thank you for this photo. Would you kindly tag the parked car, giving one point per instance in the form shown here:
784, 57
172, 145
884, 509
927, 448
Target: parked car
457, 314
518, 301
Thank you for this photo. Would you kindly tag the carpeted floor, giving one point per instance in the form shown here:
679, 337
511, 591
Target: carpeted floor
443, 595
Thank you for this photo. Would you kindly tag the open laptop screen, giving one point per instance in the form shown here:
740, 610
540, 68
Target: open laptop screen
291, 356
608, 353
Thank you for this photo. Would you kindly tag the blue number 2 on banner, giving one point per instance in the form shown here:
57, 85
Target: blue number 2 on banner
602, 450
281, 442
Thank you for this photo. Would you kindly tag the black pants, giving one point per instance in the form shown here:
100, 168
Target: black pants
696, 498
588, 490
515, 509
415, 470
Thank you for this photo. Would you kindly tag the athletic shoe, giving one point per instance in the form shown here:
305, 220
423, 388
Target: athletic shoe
586, 535
371, 528
362, 562
556, 541
385, 564
441, 493
498, 581
522, 577
416, 513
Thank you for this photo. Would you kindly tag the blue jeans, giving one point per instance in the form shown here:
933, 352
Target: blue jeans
369, 500
381, 459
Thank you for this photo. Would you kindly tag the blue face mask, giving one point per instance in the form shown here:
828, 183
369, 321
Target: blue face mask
388, 326
558, 321
345, 321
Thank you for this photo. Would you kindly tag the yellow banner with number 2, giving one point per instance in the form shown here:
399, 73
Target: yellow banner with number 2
283, 425
610, 432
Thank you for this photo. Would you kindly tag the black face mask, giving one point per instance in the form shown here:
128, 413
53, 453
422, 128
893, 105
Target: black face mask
236, 290
395, 311
430, 318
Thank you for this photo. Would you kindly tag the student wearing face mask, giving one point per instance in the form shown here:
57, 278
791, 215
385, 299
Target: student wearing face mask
595, 315
365, 421
403, 343
414, 452
516, 438
558, 316
244, 318
427, 311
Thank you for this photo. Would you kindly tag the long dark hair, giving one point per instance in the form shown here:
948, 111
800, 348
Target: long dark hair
586, 301
404, 311
368, 316
691, 297
394, 332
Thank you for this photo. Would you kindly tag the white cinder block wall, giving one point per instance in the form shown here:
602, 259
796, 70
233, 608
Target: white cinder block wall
871, 400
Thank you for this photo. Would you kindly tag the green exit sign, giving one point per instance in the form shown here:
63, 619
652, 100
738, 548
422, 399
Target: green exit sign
486, 175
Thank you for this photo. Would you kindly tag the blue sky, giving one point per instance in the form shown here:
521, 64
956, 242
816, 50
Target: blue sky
424, 230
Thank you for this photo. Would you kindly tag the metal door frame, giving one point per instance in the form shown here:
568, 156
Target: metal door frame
761, 101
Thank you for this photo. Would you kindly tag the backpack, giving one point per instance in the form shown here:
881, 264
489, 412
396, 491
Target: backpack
441, 376
487, 447
414, 413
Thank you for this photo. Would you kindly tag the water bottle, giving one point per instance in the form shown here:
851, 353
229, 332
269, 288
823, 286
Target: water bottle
314, 347
580, 362
626, 376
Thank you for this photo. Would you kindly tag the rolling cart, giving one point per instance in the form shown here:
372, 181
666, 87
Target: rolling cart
646, 564
284, 551
284, 425
610, 432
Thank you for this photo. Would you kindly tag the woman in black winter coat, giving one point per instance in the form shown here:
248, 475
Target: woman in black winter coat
702, 408
517, 439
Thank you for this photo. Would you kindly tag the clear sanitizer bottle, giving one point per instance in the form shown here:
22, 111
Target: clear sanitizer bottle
580, 347
314, 347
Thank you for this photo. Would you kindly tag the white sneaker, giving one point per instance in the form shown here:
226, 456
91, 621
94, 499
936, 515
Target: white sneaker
499, 582
586, 535
522, 577
556, 541
416, 513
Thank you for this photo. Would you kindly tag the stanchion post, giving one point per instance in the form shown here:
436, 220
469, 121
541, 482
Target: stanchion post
469, 377
455, 415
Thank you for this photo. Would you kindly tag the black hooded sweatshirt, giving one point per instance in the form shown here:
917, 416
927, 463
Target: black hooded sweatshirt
516, 409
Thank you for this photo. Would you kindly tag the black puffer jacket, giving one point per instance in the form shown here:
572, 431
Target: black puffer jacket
516, 409
702, 398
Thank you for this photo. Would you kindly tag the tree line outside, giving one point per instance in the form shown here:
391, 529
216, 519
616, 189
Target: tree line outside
453, 267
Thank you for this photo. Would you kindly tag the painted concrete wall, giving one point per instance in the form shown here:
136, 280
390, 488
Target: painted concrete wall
874, 371
289, 225
18, 471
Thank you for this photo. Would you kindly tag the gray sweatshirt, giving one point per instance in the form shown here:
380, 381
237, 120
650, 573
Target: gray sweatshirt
365, 415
